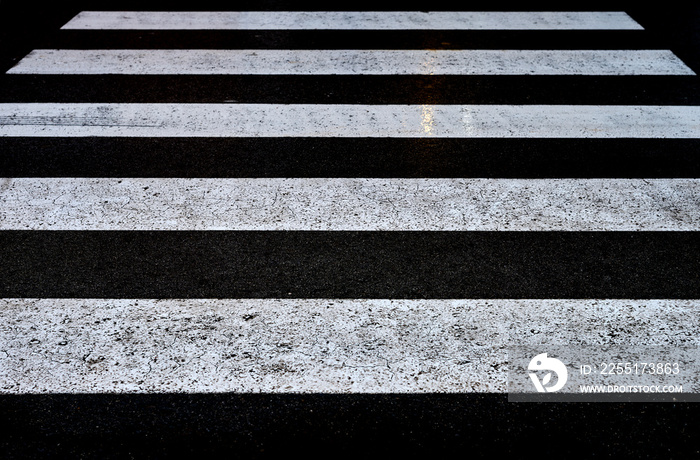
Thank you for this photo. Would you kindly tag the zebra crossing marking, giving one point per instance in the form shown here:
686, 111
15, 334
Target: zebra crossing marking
351, 20
348, 120
343, 204
351, 62
327, 345
304, 345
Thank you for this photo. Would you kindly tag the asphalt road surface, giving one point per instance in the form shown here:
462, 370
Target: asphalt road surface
226, 232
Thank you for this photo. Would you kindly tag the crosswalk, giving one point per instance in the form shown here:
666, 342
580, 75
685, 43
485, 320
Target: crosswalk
338, 204
241, 240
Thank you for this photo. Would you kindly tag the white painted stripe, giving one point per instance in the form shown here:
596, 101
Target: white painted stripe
346, 120
352, 20
353, 62
310, 345
350, 204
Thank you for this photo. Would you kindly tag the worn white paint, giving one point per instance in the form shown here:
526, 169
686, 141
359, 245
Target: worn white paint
310, 345
347, 120
351, 20
350, 204
351, 62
